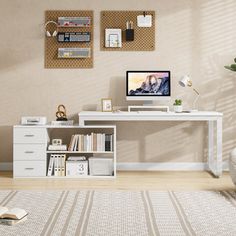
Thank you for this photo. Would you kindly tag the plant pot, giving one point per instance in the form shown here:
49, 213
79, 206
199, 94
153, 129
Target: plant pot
178, 108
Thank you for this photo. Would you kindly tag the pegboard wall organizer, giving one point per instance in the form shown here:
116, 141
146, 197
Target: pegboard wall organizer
78, 23
144, 37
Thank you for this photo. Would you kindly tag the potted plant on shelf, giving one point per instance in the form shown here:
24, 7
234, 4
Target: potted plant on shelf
178, 105
232, 67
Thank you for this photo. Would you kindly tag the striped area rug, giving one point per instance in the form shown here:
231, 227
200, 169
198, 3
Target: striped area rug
122, 213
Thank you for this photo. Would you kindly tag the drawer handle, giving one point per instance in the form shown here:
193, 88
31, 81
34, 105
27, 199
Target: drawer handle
29, 135
29, 168
29, 152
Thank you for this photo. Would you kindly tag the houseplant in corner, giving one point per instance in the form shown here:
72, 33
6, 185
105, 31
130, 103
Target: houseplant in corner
178, 105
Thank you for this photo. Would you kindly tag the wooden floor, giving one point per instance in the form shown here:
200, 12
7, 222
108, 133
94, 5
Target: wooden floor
126, 180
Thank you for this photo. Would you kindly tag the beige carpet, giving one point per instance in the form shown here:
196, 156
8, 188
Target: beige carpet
123, 213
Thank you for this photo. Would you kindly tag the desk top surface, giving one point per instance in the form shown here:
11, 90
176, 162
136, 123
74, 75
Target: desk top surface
150, 113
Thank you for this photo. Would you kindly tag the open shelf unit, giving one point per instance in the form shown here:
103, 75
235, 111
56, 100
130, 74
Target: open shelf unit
31, 154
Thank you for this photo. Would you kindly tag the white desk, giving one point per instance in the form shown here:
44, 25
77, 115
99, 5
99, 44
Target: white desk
214, 119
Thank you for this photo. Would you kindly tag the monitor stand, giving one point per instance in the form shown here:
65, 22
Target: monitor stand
148, 103
148, 106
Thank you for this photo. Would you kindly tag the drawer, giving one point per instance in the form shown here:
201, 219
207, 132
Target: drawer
30, 152
30, 135
29, 168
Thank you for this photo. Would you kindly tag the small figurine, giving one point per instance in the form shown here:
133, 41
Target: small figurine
61, 113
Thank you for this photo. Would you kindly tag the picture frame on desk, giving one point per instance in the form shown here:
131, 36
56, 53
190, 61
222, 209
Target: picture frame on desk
106, 105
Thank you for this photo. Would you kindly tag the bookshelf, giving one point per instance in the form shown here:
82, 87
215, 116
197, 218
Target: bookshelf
31, 157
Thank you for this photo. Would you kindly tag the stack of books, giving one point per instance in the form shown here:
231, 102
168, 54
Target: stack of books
94, 142
62, 147
56, 165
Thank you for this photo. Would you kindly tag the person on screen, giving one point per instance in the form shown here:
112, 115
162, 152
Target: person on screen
153, 85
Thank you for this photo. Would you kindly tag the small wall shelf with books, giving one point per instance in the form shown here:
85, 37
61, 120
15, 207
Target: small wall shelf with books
95, 158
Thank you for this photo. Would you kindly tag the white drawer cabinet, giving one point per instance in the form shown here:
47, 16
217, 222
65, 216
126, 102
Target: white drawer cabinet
30, 157
30, 152
30, 135
29, 168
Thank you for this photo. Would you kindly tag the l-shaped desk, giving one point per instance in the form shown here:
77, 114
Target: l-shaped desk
214, 120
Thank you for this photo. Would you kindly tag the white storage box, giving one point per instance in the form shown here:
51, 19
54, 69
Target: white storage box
76, 168
101, 166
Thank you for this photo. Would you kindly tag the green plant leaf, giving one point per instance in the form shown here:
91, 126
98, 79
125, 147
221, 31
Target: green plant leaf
178, 102
235, 59
230, 68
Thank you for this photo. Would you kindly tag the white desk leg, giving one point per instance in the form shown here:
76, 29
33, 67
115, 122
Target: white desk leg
219, 147
211, 145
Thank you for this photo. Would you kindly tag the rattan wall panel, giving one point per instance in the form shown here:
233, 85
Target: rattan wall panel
51, 44
144, 38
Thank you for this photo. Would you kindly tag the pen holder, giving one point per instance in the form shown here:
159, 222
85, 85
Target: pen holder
129, 34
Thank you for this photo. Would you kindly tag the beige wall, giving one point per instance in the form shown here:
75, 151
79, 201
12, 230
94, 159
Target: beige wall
193, 37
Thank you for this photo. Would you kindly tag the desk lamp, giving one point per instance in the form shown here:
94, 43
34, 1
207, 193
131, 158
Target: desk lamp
186, 81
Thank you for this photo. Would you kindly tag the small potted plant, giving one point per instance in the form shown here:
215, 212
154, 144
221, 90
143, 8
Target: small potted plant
178, 105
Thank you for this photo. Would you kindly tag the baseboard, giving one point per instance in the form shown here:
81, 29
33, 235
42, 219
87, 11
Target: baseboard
149, 166
135, 166
6, 166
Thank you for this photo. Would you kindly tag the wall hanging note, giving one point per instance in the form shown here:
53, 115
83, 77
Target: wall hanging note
144, 20
134, 38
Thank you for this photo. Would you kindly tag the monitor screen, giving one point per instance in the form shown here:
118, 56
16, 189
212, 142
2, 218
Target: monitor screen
147, 85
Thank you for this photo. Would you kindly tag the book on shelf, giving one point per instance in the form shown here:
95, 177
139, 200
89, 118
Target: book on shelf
12, 216
94, 142
71, 143
50, 165
76, 137
57, 147
62, 165
108, 142
56, 165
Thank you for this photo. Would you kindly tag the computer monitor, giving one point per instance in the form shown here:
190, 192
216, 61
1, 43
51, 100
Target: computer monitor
148, 85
